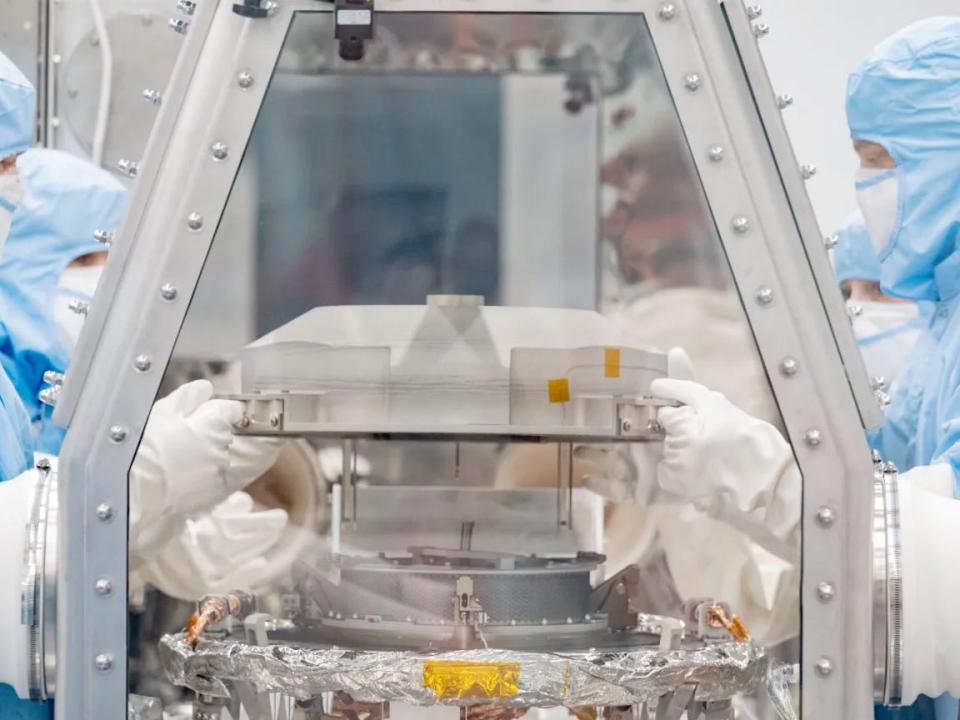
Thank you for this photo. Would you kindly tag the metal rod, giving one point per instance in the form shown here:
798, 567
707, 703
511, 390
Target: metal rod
559, 489
456, 460
346, 479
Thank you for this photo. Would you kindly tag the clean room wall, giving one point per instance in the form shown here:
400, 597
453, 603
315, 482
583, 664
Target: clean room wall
812, 47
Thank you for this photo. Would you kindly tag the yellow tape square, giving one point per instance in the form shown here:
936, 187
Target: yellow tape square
558, 390
458, 680
611, 362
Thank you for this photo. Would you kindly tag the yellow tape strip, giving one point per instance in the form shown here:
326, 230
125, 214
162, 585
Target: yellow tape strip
611, 362
458, 680
558, 390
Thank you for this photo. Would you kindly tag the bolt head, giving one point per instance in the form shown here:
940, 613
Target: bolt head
118, 433
219, 151
789, 366
826, 591
626, 425
103, 662
142, 363
785, 101
826, 516
667, 11
274, 420
195, 221
813, 437
245, 79
103, 586
168, 292
754, 11
831, 241
741, 224
692, 81
104, 512
764, 296
808, 171
761, 30
716, 153
824, 667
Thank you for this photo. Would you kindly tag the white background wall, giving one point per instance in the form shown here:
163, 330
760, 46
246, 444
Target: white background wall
812, 47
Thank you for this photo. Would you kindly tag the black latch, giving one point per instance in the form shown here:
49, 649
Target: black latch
354, 20
251, 9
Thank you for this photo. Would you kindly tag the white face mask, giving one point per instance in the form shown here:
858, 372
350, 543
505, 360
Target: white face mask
886, 333
878, 194
76, 283
11, 193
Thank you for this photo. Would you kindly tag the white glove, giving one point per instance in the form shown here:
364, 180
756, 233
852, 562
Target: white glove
188, 462
930, 536
731, 465
227, 549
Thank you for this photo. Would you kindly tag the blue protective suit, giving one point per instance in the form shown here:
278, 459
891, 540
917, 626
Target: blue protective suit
906, 97
65, 200
854, 257
17, 109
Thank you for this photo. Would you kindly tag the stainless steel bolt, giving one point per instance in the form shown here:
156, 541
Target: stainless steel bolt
761, 30
142, 363
716, 153
195, 221
813, 437
105, 237
764, 296
824, 666
118, 433
626, 425
741, 224
245, 79
754, 11
178, 26
168, 292
826, 591
79, 307
219, 151
785, 101
104, 512
692, 81
808, 171
826, 516
152, 96
668, 11
103, 586
274, 420
789, 366
187, 7
877, 383
104, 662
831, 241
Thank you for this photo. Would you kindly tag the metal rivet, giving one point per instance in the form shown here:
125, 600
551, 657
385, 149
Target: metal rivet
142, 363
168, 292
118, 433
813, 437
785, 101
152, 96
104, 662
188, 7
878, 382
219, 151
764, 296
692, 81
245, 79
826, 591
104, 237
761, 30
128, 167
104, 512
831, 241
854, 311
626, 425
178, 26
741, 224
826, 516
195, 221
79, 307
103, 586
754, 11
44, 465
668, 11
274, 420
716, 153
824, 666
808, 171
789, 366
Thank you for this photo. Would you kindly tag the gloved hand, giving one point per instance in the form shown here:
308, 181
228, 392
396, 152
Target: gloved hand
188, 462
729, 464
226, 549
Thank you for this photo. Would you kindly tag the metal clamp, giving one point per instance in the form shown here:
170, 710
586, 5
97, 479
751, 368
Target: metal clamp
887, 586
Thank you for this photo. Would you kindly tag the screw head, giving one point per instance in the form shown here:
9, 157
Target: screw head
195, 221
118, 433
826, 516
741, 224
761, 30
754, 11
716, 153
219, 151
168, 292
692, 81
824, 666
667, 11
103, 662
142, 363
813, 437
831, 241
785, 101
103, 586
826, 591
764, 296
626, 425
245, 79
878, 382
274, 420
789, 366
104, 512
808, 171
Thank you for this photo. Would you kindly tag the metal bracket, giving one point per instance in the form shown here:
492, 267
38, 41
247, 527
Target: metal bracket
354, 27
253, 8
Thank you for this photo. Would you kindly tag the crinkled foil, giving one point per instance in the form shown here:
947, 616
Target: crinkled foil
620, 677
782, 679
